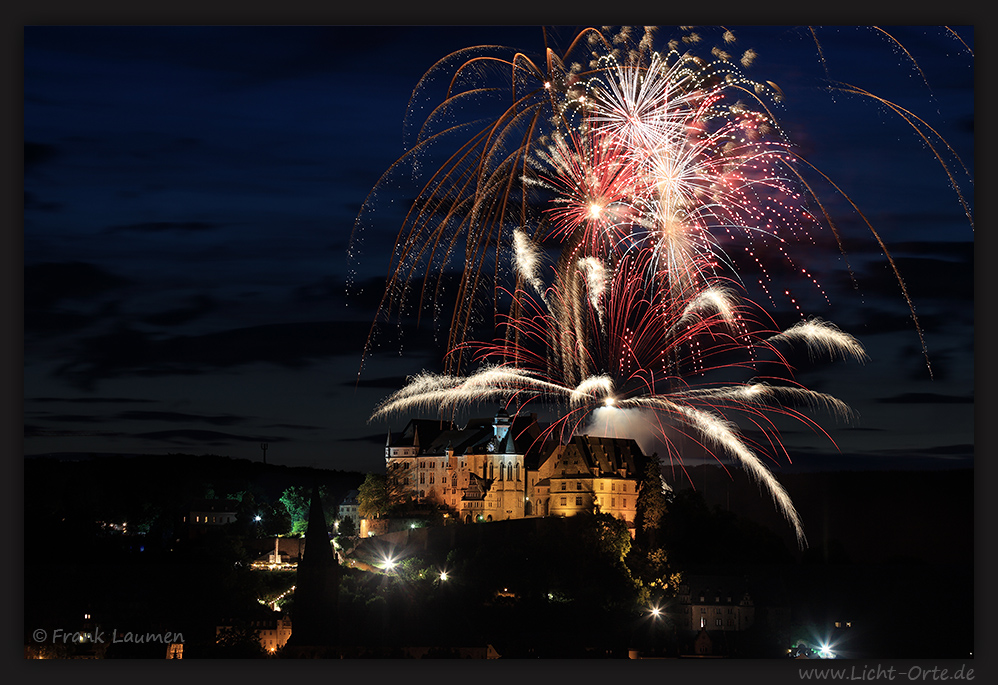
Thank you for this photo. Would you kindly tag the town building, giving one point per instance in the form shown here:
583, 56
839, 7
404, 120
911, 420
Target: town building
510, 468
716, 603
348, 509
273, 630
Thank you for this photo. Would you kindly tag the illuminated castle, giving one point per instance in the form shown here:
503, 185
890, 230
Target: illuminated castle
504, 468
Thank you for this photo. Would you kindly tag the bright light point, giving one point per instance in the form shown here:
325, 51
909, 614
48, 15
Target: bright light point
547, 84
412, 525
655, 611
594, 211
256, 518
608, 402
443, 575
825, 652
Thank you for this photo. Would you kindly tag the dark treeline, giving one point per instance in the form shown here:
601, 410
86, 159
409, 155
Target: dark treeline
578, 587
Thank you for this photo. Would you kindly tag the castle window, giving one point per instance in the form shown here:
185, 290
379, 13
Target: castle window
623, 503
717, 622
564, 501
601, 484
422, 478
431, 479
578, 485
623, 487
564, 485
578, 501
613, 502
613, 486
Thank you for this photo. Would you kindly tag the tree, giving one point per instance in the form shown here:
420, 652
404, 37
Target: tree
297, 501
372, 496
652, 503
347, 527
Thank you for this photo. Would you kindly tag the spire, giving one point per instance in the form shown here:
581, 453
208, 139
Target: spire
317, 546
314, 617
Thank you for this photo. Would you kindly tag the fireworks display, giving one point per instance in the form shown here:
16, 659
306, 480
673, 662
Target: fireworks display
604, 213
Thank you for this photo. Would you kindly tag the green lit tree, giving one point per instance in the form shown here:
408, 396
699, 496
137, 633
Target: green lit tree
297, 500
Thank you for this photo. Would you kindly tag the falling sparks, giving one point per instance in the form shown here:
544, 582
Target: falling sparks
650, 178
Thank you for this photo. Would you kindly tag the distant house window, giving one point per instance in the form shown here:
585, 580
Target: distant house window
564, 485
731, 621
422, 478
601, 484
623, 487
431, 479
564, 501
613, 486
453, 481
578, 485
613, 501
578, 501
717, 622
624, 503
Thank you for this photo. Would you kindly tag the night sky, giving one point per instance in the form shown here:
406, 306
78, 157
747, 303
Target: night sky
190, 193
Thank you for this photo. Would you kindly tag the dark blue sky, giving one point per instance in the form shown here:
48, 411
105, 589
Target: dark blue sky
190, 193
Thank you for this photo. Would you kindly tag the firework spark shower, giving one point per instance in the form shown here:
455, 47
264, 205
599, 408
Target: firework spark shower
613, 209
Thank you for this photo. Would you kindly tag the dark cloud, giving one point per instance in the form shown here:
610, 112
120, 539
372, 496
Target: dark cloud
49, 283
127, 351
180, 417
374, 439
34, 431
925, 398
925, 277
92, 400
36, 154
161, 226
295, 427
203, 437
199, 306
71, 418
32, 203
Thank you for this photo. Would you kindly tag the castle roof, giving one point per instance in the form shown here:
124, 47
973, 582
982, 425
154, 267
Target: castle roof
419, 432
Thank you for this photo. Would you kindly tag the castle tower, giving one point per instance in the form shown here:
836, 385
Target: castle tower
501, 425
